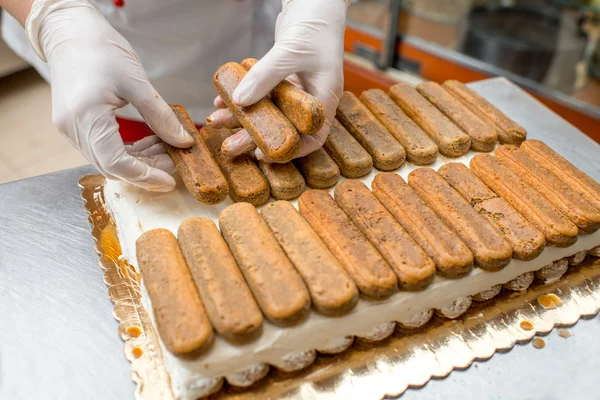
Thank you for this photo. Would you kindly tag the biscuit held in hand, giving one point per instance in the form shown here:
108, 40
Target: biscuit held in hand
309, 43
303, 110
272, 132
246, 183
199, 171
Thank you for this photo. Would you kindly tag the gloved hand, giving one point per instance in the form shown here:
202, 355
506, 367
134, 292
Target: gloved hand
309, 42
94, 71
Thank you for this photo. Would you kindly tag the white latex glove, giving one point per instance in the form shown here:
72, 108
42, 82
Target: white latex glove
309, 42
93, 72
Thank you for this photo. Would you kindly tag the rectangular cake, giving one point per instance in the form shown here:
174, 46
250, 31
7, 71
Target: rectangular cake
136, 211
471, 202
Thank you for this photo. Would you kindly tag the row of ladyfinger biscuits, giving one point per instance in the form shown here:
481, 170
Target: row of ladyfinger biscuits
479, 196
363, 241
375, 130
297, 361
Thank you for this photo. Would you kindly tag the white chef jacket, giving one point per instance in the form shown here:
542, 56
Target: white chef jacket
181, 43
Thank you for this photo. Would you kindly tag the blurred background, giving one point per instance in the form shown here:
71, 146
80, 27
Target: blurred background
550, 48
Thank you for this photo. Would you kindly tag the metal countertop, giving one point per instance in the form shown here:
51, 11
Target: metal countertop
58, 339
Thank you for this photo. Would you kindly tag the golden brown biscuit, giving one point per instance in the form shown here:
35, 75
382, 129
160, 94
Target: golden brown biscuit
450, 139
451, 256
180, 317
371, 273
483, 137
490, 250
510, 132
199, 171
275, 283
538, 210
332, 290
562, 168
420, 149
303, 110
246, 183
352, 160
412, 266
386, 152
566, 198
285, 180
228, 300
318, 169
272, 132
527, 242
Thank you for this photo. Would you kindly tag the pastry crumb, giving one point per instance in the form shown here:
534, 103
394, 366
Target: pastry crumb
526, 325
137, 352
563, 333
538, 343
134, 331
549, 301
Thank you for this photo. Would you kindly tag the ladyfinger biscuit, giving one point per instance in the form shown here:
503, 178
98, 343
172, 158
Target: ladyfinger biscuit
272, 132
416, 320
371, 273
490, 250
318, 169
386, 152
275, 283
248, 376
178, 311
450, 255
595, 252
420, 149
412, 266
483, 137
488, 294
378, 333
520, 283
303, 110
331, 289
538, 210
510, 132
352, 160
451, 140
553, 271
295, 361
577, 258
246, 183
336, 345
199, 171
285, 180
565, 197
455, 309
527, 242
562, 168
223, 290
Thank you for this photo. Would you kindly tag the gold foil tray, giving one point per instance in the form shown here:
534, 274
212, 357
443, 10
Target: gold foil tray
409, 358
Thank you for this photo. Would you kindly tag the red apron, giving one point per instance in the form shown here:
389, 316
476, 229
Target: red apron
132, 131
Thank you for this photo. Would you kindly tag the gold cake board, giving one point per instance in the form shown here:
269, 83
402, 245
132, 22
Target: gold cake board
409, 358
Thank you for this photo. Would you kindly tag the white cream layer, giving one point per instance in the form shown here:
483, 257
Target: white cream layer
136, 211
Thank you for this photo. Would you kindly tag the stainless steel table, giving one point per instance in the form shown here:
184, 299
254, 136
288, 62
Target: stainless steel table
58, 339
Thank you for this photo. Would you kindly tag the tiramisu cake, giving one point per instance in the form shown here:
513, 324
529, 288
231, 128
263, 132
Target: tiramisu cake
325, 250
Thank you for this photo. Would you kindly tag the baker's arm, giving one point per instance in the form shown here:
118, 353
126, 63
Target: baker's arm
17, 8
